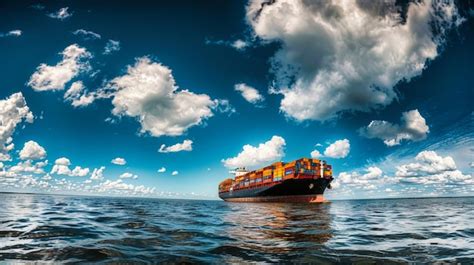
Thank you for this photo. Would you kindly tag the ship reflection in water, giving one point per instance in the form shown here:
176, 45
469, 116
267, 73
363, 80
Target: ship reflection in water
278, 228
71, 229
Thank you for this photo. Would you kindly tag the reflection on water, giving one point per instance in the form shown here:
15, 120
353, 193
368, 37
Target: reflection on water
88, 229
277, 227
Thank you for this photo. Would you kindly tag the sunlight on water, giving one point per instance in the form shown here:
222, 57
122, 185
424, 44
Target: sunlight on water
80, 229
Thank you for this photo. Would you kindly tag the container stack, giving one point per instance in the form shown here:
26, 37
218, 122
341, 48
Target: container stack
304, 168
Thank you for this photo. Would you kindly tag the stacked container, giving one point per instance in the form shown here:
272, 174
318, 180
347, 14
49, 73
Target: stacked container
279, 171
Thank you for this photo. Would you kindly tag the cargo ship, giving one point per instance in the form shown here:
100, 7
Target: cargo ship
302, 180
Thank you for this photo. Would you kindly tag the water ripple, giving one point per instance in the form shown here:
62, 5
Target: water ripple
124, 230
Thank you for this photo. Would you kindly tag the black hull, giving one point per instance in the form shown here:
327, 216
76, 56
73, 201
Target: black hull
287, 190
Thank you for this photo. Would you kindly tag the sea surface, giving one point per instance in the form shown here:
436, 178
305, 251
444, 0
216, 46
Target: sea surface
72, 229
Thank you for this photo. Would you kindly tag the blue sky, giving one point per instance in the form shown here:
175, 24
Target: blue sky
382, 92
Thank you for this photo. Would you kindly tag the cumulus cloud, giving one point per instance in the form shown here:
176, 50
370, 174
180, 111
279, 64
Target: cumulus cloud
128, 175
61, 14
431, 168
338, 149
98, 173
11, 33
111, 46
61, 167
249, 93
162, 170
186, 145
86, 34
13, 111
338, 56
174, 173
78, 96
118, 186
119, 161
315, 154
372, 177
252, 156
55, 77
412, 127
32, 151
148, 92
29, 167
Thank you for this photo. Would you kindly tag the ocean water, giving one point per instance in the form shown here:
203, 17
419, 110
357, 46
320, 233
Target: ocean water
71, 229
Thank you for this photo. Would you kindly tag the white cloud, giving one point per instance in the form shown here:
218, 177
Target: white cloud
98, 173
174, 173
431, 168
28, 167
128, 175
240, 44
13, 33
111, 46
78, 96
186, 145
338, 149
118, 186
252, 156
355, 179
162, 170
61, 14
32, 151
413, 127
13, 111
119, 161
86, 34
61, 167
55, 77
148, 92
249, 93
338, 56
315, 154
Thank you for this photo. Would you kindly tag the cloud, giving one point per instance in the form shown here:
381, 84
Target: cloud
61, 14
315, 154
13, 112
148, 92
162, 170
238, 44
186, 145
338, 149
61, 167
174, 173
370, 179
412, 127
55, 77
339, 56
111, 46
11, 33
431, 168
98, 173
78, 96
119, 161
249, 93
118, 186
32, 151
86, 34
252, 156
128, 175
29, 167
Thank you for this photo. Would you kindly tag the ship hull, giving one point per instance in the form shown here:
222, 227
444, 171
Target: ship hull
291, 190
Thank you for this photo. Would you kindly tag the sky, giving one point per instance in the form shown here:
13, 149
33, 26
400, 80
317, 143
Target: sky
163, 99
